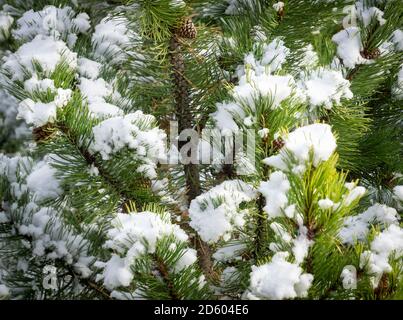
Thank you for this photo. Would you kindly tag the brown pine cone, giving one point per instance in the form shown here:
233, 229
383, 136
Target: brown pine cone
281, 14
371, 54
43, 133
278, 144
187, 29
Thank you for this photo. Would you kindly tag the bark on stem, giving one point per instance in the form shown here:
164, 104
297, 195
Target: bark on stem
184, 118
182, 112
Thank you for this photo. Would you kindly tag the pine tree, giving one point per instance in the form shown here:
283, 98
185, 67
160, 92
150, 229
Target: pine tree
168, 149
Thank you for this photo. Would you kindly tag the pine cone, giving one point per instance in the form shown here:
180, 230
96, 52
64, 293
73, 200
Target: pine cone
281, 14
382, 290
43, 133
187, 29
371, 54
278, 144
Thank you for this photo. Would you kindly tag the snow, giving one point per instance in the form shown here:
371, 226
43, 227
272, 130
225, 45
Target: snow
88, 68
301, 244
388, 241
177, 3
278, 6
349, 46
398, 192
367, 15
325, 204
81, 22
4, 291
135, 131
139, 232
349, 185
290, 211
42, 85
281, 232
53, 239
275, 191
317, 138
229, 252
215, 214
245, 161
274, 55
354, 194
356, 228
8, 111
309, 58
45, 51
6, 22
3, 217
11, 167
58, 23
224, 117
208, 152
38, 114
133, 235
188, 258
376, 260
324, 87
104, 110
18, 190
116, 273
42, 181
124, 295
235, 6
263, 133
255, 80
111, 37
349, 277
276, 88
248, 121
228, 275
62, 97
397, 88
279, 279
95, 90
259, 34
397, 39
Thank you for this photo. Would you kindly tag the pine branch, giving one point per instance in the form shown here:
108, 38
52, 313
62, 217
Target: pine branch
162, 268
92, 160
97, 288
260, 241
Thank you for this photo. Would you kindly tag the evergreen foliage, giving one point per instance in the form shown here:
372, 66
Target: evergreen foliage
93, 203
